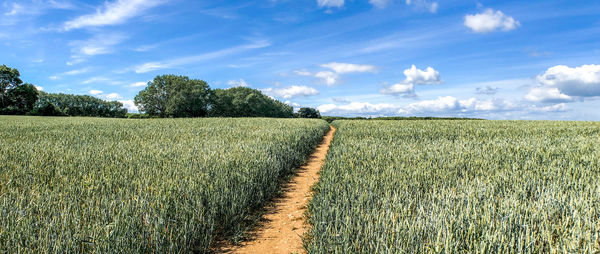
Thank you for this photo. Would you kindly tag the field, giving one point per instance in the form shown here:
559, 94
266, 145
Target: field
459, 186
140, 186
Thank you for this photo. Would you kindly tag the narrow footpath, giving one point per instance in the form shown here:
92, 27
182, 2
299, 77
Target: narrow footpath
281, 228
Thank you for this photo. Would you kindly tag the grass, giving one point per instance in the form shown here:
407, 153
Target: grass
459, 186
132, 186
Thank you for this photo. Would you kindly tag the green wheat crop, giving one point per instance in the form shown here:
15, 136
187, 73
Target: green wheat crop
140, 186
459, 186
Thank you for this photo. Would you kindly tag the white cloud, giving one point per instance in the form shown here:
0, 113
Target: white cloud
357, 108
95, 80
148, 67
97, 45
152, 66
139, 84
129, 105
112, 96
15, 9
449, 104
342, 68
235, 83
581, 81
489, 21
329, 77
74, 72
404, 89
414, 76
112, 13
53, 77
379, 3
95, 92
420, 77
547, 94
291, 91
293, 104
430, 6
561, 107
330, 3
39, 88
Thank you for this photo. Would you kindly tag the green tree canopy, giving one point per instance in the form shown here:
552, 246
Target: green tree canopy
21, 99
247, 102
9, 79
77, 105
308, 113
174, 96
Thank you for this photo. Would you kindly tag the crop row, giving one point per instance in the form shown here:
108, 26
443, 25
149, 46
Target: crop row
459, 186
140, 186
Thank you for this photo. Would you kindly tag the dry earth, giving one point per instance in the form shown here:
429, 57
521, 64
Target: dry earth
281, 228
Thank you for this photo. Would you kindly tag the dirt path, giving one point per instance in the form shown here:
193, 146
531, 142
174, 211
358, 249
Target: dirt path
281, 228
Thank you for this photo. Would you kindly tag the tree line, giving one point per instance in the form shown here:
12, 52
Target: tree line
18, 98
165, 96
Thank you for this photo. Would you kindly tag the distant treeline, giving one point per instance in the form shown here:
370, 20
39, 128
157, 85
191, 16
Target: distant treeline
18, 98
333, 118
165, 96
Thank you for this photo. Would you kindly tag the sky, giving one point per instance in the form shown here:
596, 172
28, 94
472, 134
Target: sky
536, 60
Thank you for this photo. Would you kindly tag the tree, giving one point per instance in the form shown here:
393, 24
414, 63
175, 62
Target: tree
77, 105
9, 79
247, 102
308, 113
21, 99
47, 109
174, 96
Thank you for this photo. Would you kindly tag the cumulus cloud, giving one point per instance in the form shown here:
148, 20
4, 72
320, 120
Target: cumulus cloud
488, 90
112, 13
414, 76
489, 21
235, 83
358, 108
547, 95
446, 105
293, 104
581, 81
449, 104
39, 88
95, 92
330, 3
291, 91
129, 105
329, 77
562, 83
419, 77
404, 89
561, 107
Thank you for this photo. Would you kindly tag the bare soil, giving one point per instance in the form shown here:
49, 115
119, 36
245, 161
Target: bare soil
283, 224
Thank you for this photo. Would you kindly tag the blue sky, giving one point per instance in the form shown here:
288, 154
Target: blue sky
488, 59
